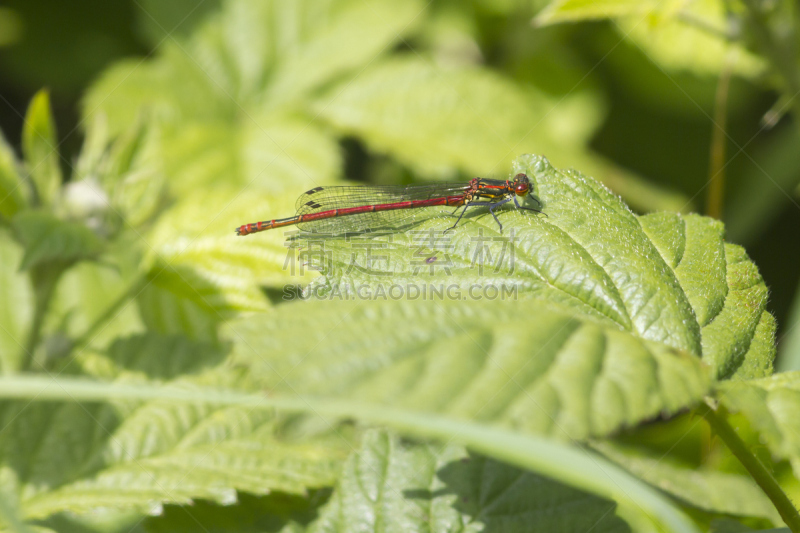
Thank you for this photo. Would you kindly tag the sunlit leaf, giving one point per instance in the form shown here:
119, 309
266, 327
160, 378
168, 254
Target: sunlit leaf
443, 120
224, 96
40, 147
12, 189
520, 364
692, 37
664, 277
578, 10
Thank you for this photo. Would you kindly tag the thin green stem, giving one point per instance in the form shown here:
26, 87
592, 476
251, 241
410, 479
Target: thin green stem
716, 189
756, 468
44, 280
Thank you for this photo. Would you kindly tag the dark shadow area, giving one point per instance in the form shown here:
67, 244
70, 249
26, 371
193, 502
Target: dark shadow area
506, 498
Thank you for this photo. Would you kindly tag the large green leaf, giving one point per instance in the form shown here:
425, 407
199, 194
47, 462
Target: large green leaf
40, 146
525, 364
12, 189
772, 406
394, 486
16, 304
663, 277
443, 120
224, 96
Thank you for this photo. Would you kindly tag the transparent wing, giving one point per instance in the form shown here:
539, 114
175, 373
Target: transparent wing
322, 199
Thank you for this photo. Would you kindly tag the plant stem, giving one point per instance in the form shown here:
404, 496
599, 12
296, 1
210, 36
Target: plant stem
716, 189
44, 280
756, 468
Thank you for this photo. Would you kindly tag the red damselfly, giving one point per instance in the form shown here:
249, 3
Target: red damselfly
343, 209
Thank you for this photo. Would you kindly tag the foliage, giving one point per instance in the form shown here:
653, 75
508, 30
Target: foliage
177, 390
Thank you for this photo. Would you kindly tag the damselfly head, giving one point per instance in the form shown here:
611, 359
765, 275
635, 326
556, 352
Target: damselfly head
522, 184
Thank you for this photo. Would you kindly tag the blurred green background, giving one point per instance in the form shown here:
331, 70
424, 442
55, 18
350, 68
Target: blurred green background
651, 104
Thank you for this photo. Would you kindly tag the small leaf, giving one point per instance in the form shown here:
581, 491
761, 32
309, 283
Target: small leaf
443, 488
47, 238
772, 406
40, 146
12, 189
16, 304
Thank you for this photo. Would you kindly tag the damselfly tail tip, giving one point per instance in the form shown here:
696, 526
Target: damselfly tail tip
241, 233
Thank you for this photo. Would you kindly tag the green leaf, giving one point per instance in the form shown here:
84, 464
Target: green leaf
443, 488
440, 121
138, 456
692, 36
522, 364
578, 467
91, 293
12, 190
351, 35
675, 35
577, 10
224, 97
168, 304
208, 245
153, 356
16, 304
49, 239
200, 272
40, 147
664, 277
710, 490
772, 406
